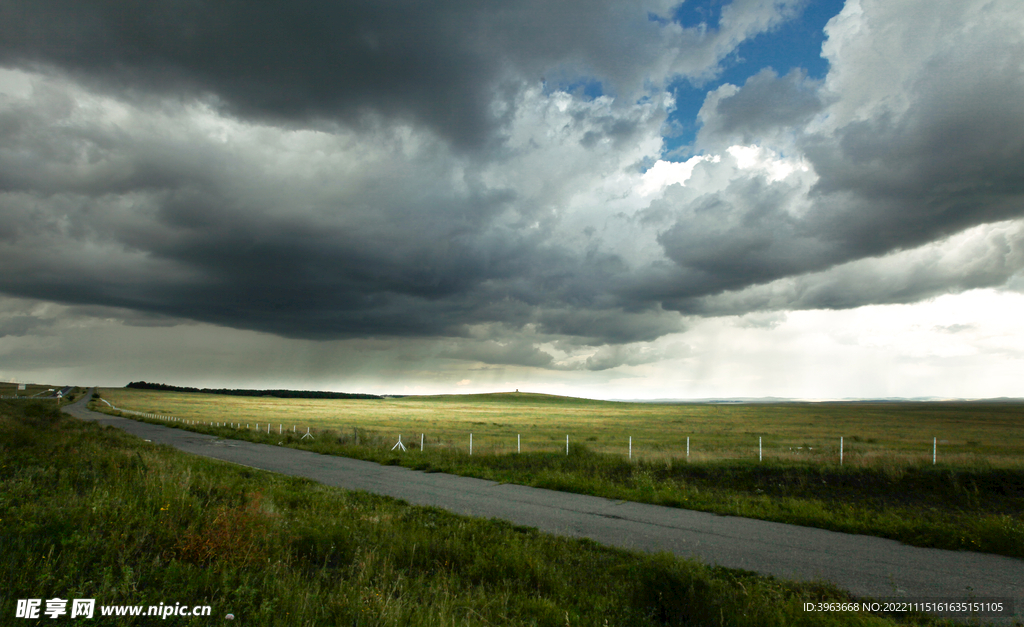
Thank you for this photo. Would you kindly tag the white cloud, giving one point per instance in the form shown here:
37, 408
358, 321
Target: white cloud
547, 254
766, 160
885, 53
15, 83
665, 173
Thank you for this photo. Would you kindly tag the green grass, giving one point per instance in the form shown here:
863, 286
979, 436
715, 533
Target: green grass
969, 434
90, 512
970, 502
976, 506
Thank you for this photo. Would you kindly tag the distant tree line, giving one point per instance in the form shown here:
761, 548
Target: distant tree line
142, 385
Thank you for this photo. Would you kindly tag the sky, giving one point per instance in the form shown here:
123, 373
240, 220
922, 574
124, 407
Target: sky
624, 199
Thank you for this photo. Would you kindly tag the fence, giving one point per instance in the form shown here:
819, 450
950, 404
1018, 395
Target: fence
309, 433
205, 423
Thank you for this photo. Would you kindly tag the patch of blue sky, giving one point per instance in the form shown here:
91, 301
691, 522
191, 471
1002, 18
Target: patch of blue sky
794, 44
697, 12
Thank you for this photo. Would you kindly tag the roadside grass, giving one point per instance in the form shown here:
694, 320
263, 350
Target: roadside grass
969, 501
90, 512
31, 389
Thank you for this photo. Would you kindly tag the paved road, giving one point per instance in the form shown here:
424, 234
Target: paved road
864, 565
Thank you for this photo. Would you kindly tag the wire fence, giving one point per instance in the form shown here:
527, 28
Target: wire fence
377, 439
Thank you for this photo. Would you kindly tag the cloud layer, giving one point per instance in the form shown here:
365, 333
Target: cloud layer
392, 170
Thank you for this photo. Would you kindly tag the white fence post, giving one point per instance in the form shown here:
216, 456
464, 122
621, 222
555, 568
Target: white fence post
759, 457
687, 448
519, 444
631, 448
840, 450
470, 443
421, 442
935, 446
567, 444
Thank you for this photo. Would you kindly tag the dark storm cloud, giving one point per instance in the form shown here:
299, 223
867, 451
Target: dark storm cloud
23, 325
265, 166
608, 325
122, 191
765, 104
23, 317
520, 353
608, 357
740, 236
403, 257
351, 234
438, 63
986, 256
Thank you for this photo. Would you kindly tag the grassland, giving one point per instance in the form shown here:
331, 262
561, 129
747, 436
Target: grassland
990, 434
89, 512
972, 500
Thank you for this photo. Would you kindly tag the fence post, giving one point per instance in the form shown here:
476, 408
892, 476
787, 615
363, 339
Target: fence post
519, 444
421, 442
687, 448
567, 444
840, 450
631, 448
759, 457
935, 445
470, 443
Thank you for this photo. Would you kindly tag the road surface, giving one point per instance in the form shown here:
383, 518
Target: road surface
864, 565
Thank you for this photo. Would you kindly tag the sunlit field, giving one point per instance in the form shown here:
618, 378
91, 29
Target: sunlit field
886, 485
968, 433
92, 512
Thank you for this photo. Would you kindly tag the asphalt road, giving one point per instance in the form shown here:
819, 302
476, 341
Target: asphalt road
864, 565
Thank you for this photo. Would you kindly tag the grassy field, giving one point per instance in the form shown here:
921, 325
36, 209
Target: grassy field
989, 434
970, 500
90, 512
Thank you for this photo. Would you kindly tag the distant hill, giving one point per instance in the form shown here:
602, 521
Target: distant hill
531, 398
142, 385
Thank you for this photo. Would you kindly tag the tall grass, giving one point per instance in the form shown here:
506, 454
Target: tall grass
989, 433
89, 512
959, 507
